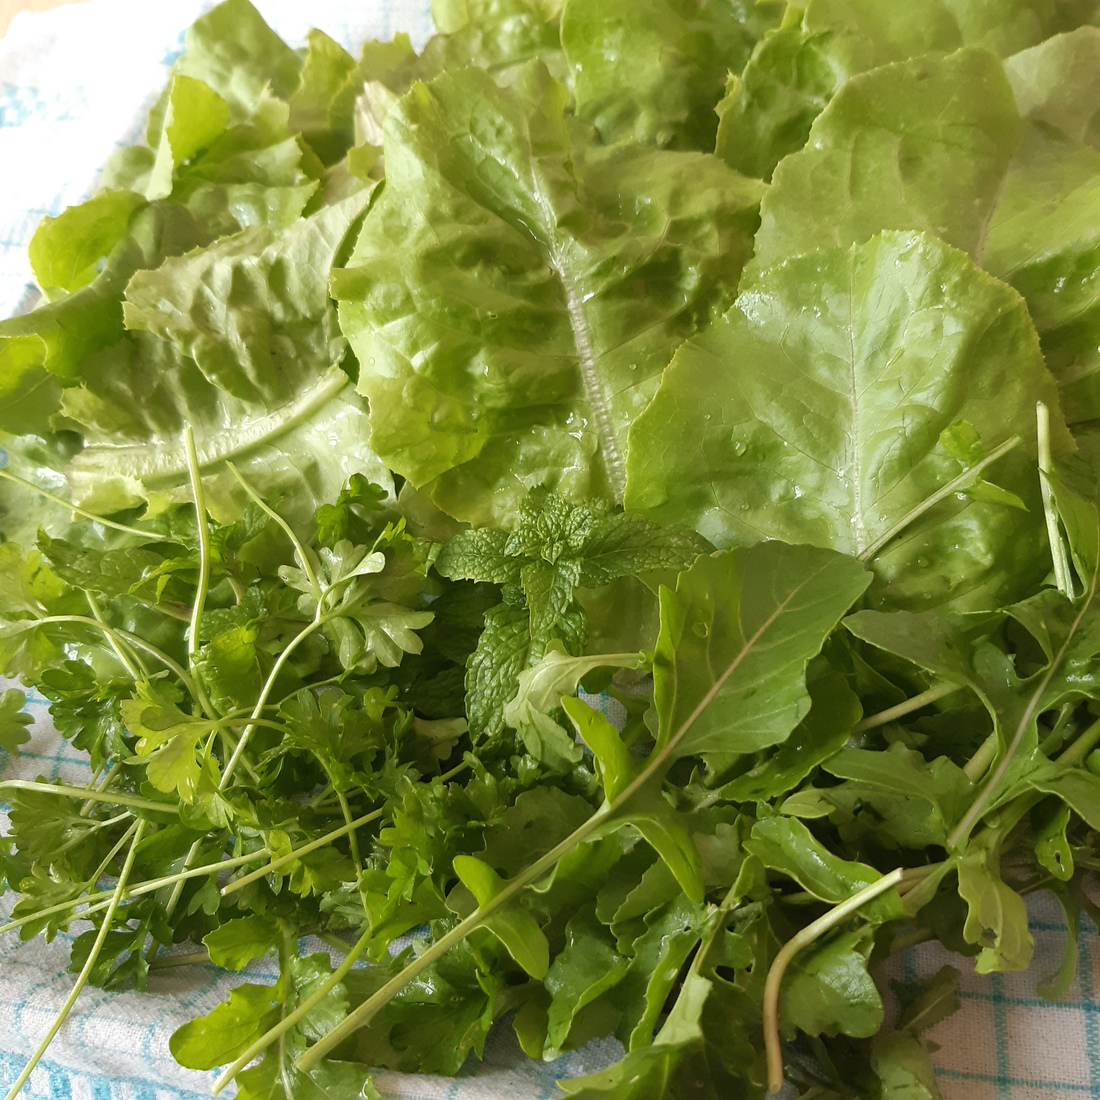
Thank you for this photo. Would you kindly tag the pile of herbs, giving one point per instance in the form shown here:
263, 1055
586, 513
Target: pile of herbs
740, 361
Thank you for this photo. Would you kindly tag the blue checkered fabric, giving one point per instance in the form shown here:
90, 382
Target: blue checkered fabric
74, 85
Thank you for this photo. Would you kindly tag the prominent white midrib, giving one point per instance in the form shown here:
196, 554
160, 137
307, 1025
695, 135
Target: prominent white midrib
160, 460
594, 396
853, 383
593, 390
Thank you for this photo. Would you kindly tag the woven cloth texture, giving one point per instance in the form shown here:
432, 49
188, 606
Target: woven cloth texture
75, 84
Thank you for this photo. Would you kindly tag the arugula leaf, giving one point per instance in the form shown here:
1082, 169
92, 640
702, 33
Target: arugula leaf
219, 1036
645, 807
236, 943
997, 917
830, 991
586, 968
515, 928
736, 637
786, 845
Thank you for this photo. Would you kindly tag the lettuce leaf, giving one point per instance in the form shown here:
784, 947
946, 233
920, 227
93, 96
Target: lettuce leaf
516, 291
238, 340
821, 422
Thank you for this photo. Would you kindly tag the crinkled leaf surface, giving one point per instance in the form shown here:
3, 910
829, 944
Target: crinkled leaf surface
821, 423
65, 251
796, 69
238, 340
517, 289
920, 144
653, 71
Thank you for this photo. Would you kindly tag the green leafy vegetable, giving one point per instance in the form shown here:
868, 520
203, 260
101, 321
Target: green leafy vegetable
382, 412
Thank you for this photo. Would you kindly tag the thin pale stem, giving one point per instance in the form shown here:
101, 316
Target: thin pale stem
282, 861
130, 661
953, 486
166, 962
1050, 511
285, 1024
892, 714
132, 639
150, 887
113, 797
791, 948
258, 709
103, 784
93, 957
300, 552
73, 508
199, 605
353, 841
989, 787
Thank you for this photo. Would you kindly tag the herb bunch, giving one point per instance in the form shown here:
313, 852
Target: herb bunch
378, 409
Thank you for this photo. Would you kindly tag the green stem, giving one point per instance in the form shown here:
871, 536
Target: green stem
150, 887
104, 783
1031, 712
166, 962
109, 858
286, 953
113, 797
73, 508
132, 639
657, 763
282, 861
980, 762
93, 956
1050, 510
353, 841
953, 486
130, 661
258, 709
300, 551
788, 951
1075, 754
199, 606
285, 1024
456, 935
891, 714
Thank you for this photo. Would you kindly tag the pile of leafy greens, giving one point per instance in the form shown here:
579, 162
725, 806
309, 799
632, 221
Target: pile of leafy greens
737, 362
